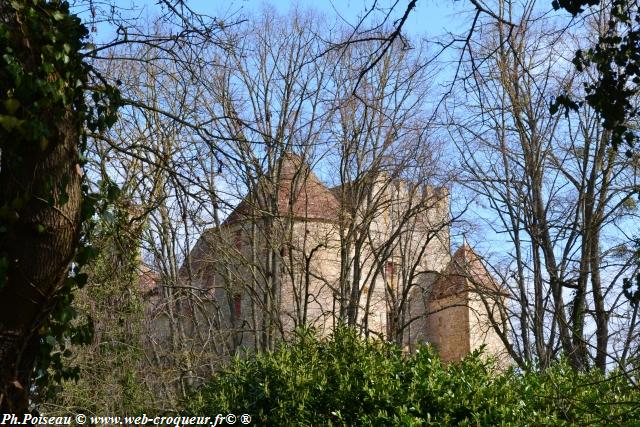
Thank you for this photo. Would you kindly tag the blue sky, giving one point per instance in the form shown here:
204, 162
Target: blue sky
430, 17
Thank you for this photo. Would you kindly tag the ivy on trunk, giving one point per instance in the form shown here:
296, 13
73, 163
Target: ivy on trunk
44, 203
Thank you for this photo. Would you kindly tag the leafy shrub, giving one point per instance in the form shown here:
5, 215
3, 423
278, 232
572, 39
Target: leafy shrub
346, 380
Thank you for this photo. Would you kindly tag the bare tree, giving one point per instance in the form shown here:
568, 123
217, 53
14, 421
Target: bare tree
554, 186
268, 95
393, 213
284, 109
165, 162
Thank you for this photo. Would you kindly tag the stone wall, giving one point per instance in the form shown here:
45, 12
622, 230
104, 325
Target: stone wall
230, 263
482, 308
447, 326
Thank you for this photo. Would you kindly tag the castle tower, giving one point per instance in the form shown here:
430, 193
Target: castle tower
463, 307
276, 263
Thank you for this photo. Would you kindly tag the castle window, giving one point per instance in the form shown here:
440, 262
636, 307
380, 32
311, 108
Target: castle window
390, 268
237, 305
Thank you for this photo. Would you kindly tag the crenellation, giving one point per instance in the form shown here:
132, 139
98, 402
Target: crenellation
418, 292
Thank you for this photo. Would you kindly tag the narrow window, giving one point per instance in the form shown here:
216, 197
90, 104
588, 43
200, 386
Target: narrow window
390, 268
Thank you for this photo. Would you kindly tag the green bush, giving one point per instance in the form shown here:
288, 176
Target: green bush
346, 380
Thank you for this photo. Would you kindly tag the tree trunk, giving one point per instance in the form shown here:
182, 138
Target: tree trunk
38, 244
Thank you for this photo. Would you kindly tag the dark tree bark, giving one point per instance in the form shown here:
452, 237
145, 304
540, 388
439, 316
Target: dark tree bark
40, 200
38, 246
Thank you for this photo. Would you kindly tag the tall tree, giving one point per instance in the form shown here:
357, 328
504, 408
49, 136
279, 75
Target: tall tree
53, 105
43, 88
555, 186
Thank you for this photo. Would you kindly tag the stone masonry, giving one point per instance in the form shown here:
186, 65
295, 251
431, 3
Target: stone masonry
276, 263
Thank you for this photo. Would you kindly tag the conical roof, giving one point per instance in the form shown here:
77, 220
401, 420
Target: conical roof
301, 195
465, 272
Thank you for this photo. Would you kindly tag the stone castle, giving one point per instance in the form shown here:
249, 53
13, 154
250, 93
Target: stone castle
375, 255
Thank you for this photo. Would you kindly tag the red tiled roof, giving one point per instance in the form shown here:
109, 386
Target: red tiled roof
465, 272
301, 194
149, 279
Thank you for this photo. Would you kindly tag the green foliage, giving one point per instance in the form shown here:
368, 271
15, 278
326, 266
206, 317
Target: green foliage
345, 380
616, 59
111, 368
67, 328
44, 81
629, 283
573, 6
36, 94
